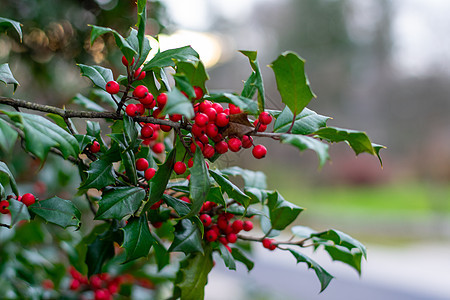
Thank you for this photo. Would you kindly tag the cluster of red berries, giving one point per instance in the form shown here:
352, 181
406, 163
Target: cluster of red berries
27, 199
222, 228
269, 244
151, 134
143, 165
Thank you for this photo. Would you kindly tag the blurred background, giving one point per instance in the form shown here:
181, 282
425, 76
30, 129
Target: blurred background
376, 65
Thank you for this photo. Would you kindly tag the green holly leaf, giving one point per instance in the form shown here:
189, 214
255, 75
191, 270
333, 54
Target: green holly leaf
99, 252
126, 49
57, 211
358, 140
256, 80
162, 256
187, 237
116, 203
340, 238
240, 256
192, 275
305, 123
183, 84
7, 23
246, 104
292, 83
239, 210
8, 137
199, 184
323, 276
215, 195
177, 103
19, 212
137, 238
41, 135
195, 72
167, 58
6, 75
228, 259
100, 174
182, 208
6, 177
232, 190
97, 74
252, 179
282, 213
87, 103
342, 254
306, 142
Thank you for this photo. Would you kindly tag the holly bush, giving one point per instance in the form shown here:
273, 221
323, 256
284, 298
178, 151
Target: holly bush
156, 208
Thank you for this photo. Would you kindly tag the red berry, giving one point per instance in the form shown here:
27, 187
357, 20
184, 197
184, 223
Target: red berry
223, 240
156, 205
102, 294
265, 118
175, 117
247, 141
222, 222
140, 109
221, 147
266, 243
162, 100
28, 199
140, 91
198, 130
208, 151
146, 131
179, 167
125, 61
232, 238
198, 92
190, 162
211, 235
158, 148
217, 107
234, 109
74, 285
248, 225
4, 204
205, 105
139, 74
237, 226
165, 128
47, 284
194, 146
131, 110
234, 144
204, 139
95, 282
148, 101
112, 87
261, 127
95, 147
157, 114
212, 130
222, 119
259, 151
201, 119
141, 164
185, 199
149, 173
211, 113
206, 220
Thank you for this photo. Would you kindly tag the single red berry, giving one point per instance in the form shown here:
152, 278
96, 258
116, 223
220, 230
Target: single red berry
125, 61
155, 135
198, 130
223, 240
139, 74
203, 106
185, 199
158, 148
228, 229
74, 284
261, 127
247, 141
231, 238
148, 101
266, 243
157, 224
204, 139
165, 128
206, 220
4, 204
149, 173
201, 119
212, 130
193, 146
222, 119
228, 215
216, 229
211, 235
141, 164
112, 87
259, 151
157, 114
162, 100
140, 91
179, 167
247, 226
222, 222
198, 92
131, 110
237, 226
217, 107
208, 151
217, 138
95, 282
140, 109
147, 131
234, 144
265, 118
211, 113
221, 147
175, 117
95, 147
47, 284
102, 294
234, 109
28, 199
190, 162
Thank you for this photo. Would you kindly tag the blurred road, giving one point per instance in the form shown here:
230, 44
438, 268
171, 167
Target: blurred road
417, 272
